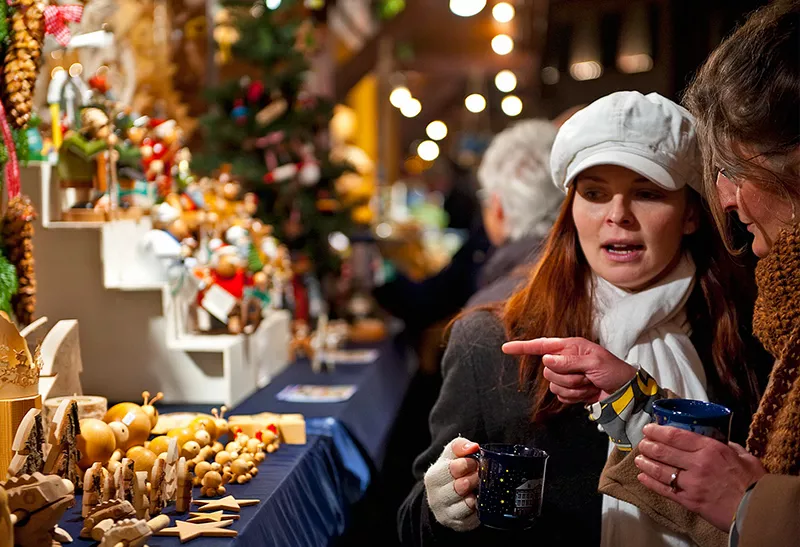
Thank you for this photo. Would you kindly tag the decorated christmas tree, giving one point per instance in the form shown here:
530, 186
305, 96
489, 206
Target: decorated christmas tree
272, 130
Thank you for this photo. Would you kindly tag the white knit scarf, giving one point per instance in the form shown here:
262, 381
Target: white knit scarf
649, 328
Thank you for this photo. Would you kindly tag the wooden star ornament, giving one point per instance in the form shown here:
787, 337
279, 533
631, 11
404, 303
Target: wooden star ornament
188, 531
216, 516
228, 503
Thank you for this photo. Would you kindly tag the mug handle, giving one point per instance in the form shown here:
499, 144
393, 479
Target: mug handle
475, 456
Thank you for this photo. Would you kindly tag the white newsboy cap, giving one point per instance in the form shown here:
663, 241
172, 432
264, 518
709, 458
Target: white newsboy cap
648, 134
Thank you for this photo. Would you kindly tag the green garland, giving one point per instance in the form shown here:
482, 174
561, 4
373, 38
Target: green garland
8, 283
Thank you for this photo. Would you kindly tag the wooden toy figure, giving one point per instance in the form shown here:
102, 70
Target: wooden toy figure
158, 477
29, 445
171, 471
6, 526
109, 487
36, 503
183, 501
301, 341
64, 454
222, 423
129, 532
93, 483
242, 471
112, 510
124, 479
141, 502
212, 485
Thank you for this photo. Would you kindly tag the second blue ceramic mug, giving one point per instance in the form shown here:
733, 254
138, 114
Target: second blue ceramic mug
709, 419
511, 485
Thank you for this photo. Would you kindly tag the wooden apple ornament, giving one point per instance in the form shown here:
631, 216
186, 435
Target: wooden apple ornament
96, 442
134, 418
159, 445
143, 459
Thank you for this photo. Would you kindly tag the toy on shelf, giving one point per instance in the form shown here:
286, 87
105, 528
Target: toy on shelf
36, 504
188, 531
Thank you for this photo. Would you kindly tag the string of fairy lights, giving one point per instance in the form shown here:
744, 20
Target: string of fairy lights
505, 81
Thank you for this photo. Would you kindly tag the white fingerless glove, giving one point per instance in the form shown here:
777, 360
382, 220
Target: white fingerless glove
450, 509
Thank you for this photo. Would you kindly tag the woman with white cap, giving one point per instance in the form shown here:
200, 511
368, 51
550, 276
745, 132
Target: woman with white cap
632, 278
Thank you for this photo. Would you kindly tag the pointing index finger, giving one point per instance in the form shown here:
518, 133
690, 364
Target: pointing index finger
538, 346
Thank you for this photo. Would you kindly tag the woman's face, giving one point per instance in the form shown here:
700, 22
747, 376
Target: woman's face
629, 228
764, 213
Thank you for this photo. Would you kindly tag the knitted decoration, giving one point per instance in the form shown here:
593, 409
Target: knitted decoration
774, 436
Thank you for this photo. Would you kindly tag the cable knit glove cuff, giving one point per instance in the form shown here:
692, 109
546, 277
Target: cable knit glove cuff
450, 509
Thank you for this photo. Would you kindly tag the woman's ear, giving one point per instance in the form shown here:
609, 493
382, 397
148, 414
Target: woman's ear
691, 217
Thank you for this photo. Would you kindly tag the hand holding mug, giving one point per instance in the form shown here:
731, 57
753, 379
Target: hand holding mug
710, 477
579, 371
451, 483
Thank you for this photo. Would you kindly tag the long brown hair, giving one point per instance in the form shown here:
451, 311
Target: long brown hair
556, 302
745, 100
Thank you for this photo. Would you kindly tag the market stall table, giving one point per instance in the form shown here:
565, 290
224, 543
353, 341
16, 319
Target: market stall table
306, 490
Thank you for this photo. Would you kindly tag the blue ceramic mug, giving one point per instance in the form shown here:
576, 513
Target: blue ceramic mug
709, 419
511, 485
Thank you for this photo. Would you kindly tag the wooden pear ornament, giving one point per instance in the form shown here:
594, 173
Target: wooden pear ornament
148, 407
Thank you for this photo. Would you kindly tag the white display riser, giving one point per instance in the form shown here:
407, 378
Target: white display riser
91, 272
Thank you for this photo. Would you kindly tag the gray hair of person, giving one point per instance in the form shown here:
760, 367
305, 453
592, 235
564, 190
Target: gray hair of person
516, 169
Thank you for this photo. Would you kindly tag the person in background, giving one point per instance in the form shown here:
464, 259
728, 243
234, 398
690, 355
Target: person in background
632, 261
519, 204
747, 102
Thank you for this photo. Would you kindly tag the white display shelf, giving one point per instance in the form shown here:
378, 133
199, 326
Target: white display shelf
100, 274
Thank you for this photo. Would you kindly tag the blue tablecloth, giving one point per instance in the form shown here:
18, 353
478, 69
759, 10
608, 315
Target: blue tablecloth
306, 491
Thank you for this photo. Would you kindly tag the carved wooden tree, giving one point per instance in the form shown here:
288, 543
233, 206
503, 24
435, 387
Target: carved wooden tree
64, 454
29, 446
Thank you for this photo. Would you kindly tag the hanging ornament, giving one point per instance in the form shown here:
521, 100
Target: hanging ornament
23, 60
272, 111
239, 112
310, 173
225, 34
255, 91
281, 174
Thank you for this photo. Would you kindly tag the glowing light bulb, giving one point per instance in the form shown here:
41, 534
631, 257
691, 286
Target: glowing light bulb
475, 103
503, 12
436, 130
502, 44
505, 81
586, 70
428, 150
399, 96
467, 8
412, 108
511, 105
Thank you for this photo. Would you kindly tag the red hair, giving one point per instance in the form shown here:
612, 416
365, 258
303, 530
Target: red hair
556, 302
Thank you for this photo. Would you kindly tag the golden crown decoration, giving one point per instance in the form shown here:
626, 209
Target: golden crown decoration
19, 370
